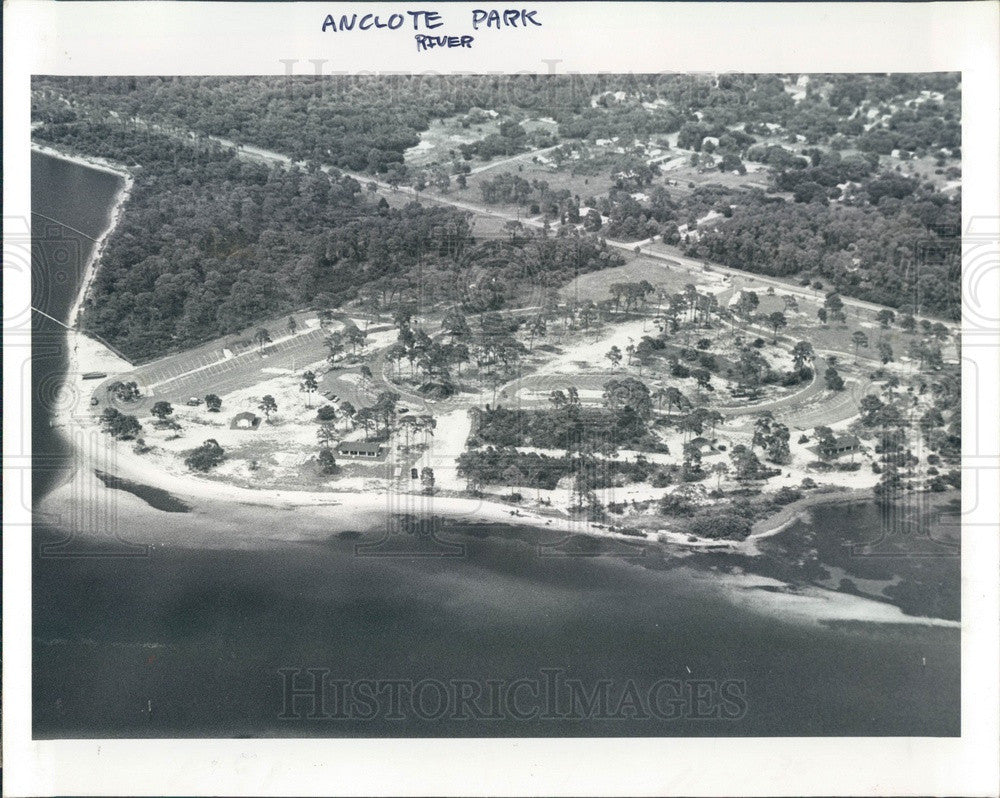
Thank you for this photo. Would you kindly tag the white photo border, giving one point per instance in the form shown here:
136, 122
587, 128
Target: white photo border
150, 38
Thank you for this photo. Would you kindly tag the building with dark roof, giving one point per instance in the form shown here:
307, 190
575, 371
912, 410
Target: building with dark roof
368, 450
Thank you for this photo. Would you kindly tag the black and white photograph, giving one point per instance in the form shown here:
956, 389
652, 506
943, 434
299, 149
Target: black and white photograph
578, 404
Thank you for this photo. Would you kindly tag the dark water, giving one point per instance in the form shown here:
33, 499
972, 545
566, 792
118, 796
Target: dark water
157, 498
192, 642
205, 634
80, 201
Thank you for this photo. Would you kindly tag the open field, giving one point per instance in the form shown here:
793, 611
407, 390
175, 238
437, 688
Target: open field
439, 143
595, 286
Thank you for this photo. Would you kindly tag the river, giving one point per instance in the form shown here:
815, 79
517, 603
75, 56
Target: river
71, 207
192, 642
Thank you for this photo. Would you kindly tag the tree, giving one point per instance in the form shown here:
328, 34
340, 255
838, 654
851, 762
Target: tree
325, 317
860, 341
908, 323
747, 303
675, 398
704, 378
327, 462
592, 221
427, 479
206, 456
720, 469
827, 442
385, 407
802, 353
833, 380
326, 435
267, 406
692, 459
885, 352
762, 430
347, 412
354, 336
309, 385
456, 325
292, 325
213, 403
885, 317
614, 354
628, 393
334, 346
124, 391
262, 337
940, 331
776, 321
778, 450
366, 416
537, 328
745, 463
119, 425
161, 410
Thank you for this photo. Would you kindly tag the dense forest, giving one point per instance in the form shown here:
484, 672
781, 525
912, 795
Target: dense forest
885, 253
211, 243
367, 122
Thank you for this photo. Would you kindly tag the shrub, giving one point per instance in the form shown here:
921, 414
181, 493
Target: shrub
674, 504
327, 462
206, 456
727, 526
787, 495
661, 479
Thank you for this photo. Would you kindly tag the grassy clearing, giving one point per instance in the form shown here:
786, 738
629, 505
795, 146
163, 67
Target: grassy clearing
439, 143
596, 285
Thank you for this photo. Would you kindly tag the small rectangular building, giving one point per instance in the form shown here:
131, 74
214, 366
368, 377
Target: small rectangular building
845, 444
245, 420
367, 450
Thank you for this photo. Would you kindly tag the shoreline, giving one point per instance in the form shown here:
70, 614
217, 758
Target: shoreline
114, 216
92, 161
796, 511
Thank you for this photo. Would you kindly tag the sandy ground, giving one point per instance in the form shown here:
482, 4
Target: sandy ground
808, 604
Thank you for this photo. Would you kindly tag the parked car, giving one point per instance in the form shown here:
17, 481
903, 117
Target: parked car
194, 401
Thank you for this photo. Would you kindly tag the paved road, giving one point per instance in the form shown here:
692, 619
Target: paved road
171, 382
259, 154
